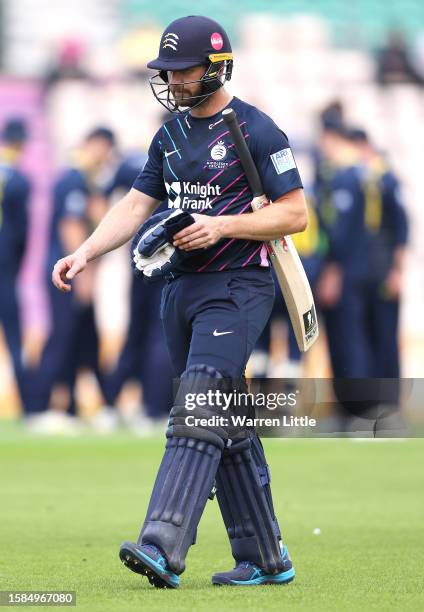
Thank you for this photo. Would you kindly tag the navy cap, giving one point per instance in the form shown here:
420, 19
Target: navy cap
189, 41
15, 131
334, 126
102, 132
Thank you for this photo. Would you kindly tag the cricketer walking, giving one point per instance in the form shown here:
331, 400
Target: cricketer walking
216, 302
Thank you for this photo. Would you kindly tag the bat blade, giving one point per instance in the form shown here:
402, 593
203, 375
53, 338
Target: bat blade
294, 286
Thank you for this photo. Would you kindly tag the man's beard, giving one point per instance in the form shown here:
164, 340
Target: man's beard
186, 99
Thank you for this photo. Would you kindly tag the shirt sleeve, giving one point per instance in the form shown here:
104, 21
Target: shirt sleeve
19, 197
396, 210
125, 175
74, 204
273, 158
347, 202
150, 180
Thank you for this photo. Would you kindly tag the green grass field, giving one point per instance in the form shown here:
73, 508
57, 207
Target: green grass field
66, 505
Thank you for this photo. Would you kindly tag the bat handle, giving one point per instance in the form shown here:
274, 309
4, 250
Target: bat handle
229, 116
248, 165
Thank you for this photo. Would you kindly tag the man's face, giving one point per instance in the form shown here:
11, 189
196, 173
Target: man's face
182, 89
331, 145
99, 151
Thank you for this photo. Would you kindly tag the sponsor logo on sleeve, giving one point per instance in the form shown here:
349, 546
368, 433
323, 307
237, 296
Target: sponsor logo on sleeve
342, 200
75, 203
283, 160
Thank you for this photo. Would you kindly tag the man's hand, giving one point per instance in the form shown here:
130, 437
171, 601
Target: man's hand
67, 268
393, 283
330, 286
204, 233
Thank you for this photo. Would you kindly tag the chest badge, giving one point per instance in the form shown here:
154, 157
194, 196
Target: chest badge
219, 151
218, 154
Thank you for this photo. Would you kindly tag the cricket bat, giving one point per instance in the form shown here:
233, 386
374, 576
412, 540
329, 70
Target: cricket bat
284, 257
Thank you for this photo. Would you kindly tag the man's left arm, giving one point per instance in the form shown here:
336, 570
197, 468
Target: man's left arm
19, 211
399, 227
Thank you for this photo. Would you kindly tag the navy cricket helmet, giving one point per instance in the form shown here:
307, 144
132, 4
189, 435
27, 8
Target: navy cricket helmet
188, 42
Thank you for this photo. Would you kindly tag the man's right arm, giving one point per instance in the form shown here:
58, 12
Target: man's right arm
116, 228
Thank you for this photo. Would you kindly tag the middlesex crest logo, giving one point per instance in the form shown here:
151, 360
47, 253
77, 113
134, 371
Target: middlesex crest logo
219, 151
218, 154
170, 41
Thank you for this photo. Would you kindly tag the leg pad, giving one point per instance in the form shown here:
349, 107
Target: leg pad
182, 487
244, 497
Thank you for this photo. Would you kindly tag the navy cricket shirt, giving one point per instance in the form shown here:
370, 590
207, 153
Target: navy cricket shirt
193, 164
14, 195
70, 198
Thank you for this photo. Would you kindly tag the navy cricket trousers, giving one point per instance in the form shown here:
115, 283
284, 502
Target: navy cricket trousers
215, 318
73, 343
144, 354
10, 321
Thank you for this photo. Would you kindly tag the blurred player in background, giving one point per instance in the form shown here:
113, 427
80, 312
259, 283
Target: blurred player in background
387, 228
360, 285
15, 190
341, 285
144, 353
78, 206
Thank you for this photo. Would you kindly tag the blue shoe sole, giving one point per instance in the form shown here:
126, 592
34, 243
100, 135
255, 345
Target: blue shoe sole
282, 578
140, 563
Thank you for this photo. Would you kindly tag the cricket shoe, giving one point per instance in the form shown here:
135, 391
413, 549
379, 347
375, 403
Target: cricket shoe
248, 574
54, 423
148, 560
